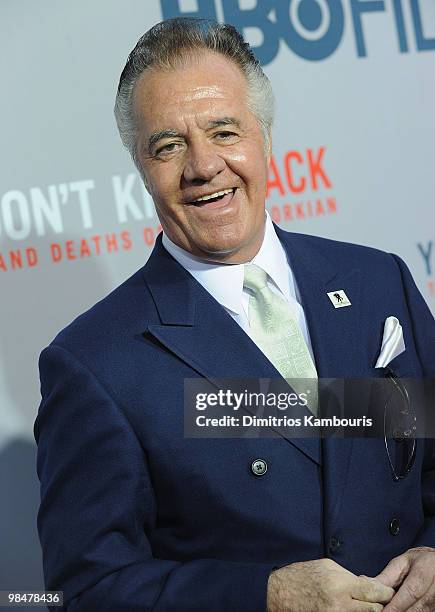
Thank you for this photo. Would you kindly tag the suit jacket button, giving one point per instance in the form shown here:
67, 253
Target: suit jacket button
334, 544
394, 526
259, 467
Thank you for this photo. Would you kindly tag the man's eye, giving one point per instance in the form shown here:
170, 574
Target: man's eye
224, 135
168, 148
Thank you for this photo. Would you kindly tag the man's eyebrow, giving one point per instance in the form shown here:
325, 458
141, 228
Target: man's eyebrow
154, 138
224, 121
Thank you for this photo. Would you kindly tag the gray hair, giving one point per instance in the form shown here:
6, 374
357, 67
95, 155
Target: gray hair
168, 42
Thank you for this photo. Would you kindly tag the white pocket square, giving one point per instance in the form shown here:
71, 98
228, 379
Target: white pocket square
392, 342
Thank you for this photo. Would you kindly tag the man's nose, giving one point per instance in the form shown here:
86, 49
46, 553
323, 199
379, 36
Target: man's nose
202, 163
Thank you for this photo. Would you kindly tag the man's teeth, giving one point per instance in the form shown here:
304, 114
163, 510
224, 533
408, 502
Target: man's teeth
217, 194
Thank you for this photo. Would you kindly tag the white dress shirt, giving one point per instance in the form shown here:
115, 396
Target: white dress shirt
225, 281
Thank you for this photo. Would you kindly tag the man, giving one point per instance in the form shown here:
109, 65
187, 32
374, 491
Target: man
134, 516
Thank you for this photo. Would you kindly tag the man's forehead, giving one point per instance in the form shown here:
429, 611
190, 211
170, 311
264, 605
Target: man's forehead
210, 76
196, 108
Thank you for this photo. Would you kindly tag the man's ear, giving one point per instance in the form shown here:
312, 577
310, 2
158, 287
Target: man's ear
140, 169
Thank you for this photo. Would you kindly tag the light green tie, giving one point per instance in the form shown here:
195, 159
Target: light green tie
277, 333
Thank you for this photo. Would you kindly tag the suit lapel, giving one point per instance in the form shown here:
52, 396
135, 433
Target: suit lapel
334, 332
336, 339
196, 328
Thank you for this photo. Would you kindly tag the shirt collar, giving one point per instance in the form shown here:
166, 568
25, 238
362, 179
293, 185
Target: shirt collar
225, 281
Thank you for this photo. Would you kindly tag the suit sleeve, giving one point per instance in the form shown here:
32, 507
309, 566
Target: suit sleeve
97, 504
423, 330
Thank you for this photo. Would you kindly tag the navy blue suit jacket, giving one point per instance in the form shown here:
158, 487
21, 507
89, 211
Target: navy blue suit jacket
134, 516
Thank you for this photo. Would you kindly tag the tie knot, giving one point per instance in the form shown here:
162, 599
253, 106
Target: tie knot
255, 278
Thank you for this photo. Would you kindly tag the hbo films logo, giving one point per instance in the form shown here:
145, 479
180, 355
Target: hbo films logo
312, 29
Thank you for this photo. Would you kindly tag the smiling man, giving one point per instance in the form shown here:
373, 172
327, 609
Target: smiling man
203, 157
202, 154
135, 516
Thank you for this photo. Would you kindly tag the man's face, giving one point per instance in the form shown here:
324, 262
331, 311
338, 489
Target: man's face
197, 137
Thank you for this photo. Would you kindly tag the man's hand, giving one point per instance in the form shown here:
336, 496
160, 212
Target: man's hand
324, 586
414, 573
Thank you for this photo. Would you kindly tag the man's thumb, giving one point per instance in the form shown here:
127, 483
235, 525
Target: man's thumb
393, 574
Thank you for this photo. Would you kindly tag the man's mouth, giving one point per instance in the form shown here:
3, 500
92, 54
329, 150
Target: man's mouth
214, 197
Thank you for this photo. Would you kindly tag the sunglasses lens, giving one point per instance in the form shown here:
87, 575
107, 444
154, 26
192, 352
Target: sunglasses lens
399, 430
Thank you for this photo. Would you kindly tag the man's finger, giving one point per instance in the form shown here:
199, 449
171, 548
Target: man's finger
413, 589
371, 590
427, 602
393, 574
